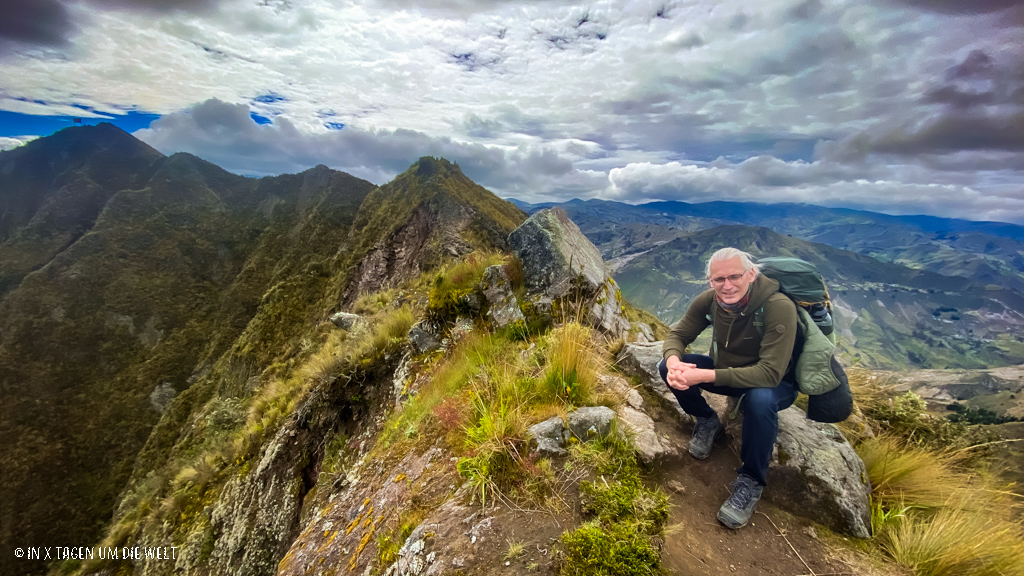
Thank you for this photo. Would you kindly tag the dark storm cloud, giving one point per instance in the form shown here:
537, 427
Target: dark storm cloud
35, 22
964, 6
805, 10
976, 106
953, 133
977, 64
49, 22
957, 98
647, 123
157, 5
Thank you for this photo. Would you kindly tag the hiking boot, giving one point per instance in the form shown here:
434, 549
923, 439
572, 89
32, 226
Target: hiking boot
738, 509
705, 431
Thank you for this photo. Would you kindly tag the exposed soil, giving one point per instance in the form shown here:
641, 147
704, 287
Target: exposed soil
774, 542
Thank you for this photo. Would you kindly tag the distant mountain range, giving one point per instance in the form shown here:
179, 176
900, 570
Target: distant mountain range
910, 291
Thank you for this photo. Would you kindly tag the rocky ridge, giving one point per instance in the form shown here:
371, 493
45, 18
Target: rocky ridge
290, 515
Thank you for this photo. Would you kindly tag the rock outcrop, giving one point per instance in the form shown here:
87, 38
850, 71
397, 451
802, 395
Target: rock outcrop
502, 306
560, 264
636, 423
584, 424
814, 471
345, 320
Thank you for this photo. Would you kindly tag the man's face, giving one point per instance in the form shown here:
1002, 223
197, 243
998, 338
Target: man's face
729, 279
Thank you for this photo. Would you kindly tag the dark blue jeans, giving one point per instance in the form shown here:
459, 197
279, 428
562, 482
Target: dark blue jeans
760, 414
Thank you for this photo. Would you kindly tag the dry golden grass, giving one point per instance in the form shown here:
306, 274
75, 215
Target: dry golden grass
936, 517
956, 542
373, 302
573, 366
902, 473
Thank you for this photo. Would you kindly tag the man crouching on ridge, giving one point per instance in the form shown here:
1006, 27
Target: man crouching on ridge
742, 363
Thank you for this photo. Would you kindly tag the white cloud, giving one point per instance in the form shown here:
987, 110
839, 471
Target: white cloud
225, 134
546, 98
7, 143
770, 180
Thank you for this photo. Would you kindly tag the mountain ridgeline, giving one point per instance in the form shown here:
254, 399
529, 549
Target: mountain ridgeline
910, 292
135, 287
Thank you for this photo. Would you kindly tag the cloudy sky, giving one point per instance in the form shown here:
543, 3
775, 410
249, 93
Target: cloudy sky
898, 106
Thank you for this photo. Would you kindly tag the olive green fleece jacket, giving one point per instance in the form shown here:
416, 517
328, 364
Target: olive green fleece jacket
745, 358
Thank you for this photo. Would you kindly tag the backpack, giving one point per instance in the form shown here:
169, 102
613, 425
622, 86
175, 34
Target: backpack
818, 374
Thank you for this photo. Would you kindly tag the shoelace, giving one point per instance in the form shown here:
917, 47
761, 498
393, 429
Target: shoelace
704, 432
742, 494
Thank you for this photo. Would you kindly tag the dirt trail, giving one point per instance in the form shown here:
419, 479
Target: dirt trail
695, 542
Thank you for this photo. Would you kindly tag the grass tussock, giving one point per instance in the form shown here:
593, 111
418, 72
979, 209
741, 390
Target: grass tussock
937, 507
484, 396
373, 302
956, 542
573, 366
902, 473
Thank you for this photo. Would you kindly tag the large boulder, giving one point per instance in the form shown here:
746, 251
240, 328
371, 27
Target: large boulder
816, 473
645, 438
345, 320
556, 255
814, 470
590, 422
423, 338
585, 424
559, 263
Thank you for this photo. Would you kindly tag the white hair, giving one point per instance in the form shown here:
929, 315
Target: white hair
728, 254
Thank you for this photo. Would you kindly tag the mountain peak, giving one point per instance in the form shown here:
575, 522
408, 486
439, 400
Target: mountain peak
428, 166
89, 139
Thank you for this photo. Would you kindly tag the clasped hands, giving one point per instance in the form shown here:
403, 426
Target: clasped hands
682, 375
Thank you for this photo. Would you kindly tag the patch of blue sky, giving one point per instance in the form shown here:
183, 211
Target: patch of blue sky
18, 124
334, 125
269, 98
259, 119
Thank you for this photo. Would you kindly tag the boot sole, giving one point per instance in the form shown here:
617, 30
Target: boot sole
728, 523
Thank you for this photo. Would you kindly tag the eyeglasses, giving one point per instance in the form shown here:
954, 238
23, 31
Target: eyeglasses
733, 279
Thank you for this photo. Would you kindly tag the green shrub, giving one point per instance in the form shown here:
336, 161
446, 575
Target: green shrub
625, 500
450, 296
624, 513
907, 416
617, 550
